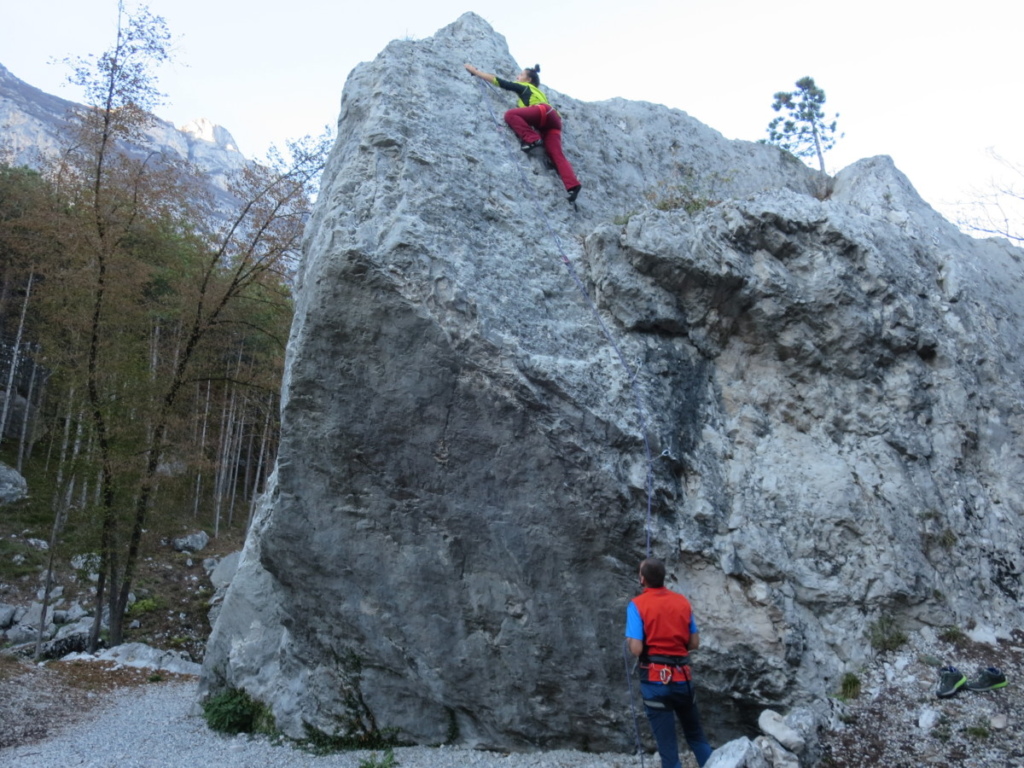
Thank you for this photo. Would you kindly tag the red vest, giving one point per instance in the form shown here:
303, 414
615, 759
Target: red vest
666, 617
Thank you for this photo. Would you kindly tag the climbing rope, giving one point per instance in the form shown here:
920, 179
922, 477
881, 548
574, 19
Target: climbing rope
631, 373
631, 695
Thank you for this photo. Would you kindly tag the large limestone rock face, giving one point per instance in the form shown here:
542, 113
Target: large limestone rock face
829, 391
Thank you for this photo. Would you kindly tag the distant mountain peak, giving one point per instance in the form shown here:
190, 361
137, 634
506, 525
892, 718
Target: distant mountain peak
204, 129
33, 124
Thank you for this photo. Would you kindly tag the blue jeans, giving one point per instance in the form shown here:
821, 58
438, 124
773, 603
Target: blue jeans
670, 701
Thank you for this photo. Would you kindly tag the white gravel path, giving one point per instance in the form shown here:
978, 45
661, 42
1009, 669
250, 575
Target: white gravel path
150, 727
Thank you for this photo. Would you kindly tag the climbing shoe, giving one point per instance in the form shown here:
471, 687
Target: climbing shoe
526, 146
987, 680
951, 680
574, 192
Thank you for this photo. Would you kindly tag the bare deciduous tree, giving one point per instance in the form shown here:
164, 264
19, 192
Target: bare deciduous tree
999, 211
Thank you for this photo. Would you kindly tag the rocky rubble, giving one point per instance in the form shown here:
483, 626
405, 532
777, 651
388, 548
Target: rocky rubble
897, 720
177, 597
66, 623
12, 485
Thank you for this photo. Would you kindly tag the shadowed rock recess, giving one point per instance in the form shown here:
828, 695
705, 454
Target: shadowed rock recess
831, 390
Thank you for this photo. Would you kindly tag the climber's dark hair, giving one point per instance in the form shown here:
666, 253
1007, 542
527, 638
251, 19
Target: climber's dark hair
653, 571
534, 74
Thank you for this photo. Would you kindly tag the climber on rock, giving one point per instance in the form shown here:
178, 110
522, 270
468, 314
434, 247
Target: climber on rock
535, 121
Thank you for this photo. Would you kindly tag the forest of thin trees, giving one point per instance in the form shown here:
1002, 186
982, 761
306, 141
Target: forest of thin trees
142, 332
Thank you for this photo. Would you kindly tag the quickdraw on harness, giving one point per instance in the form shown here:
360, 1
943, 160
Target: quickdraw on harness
666, 667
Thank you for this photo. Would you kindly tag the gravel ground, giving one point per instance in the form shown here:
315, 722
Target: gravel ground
99, 715
150, 726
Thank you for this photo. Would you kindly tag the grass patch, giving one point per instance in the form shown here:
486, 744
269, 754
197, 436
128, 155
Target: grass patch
19, 559
886, 635
146, 605
675, 197
849, 686
691, 192
979, 731
320, 743
952, 635
386, 761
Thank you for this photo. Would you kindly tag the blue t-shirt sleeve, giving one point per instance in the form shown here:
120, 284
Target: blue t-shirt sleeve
634, 625
693, 625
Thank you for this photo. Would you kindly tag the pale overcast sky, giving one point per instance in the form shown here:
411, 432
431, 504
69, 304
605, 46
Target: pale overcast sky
934, 85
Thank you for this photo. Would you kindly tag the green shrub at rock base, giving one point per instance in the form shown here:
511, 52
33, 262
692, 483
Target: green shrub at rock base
235, 711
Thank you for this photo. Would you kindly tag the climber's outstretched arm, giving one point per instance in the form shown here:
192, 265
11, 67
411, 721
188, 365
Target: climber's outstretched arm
481, 74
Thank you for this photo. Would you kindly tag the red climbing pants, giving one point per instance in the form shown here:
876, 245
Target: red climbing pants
542, 122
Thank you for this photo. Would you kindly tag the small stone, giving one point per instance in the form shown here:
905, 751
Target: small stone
772, 724
998, 722
191, 543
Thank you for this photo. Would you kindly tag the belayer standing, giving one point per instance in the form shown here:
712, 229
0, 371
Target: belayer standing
661, 631
535, 121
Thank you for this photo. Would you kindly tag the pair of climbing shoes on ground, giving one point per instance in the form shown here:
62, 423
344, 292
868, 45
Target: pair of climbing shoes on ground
952, 680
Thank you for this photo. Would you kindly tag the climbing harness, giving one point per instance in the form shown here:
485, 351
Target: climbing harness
631, 374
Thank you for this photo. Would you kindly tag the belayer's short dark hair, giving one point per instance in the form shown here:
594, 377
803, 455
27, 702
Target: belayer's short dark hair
653, 571
534, 74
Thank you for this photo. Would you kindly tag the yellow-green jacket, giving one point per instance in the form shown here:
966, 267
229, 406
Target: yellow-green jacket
529, 94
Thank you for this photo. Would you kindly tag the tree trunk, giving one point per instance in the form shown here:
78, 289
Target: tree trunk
236, 460
259, 465
202, 451
218, 485
15, 359
24, 443
58, 524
